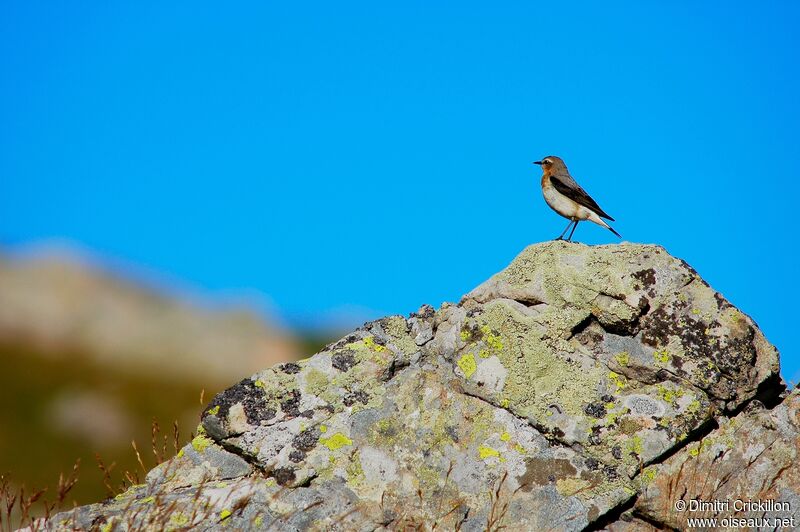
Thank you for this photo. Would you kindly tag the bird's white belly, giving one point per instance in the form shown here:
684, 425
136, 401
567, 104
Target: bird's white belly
563, 205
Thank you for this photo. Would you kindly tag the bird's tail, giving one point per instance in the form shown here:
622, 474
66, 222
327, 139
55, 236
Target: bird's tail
600, 221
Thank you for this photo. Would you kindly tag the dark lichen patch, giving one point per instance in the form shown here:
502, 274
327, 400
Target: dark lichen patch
358, 396
589, 333
291, 405
339, 344
540, 472
250, 396
592, 464
659, 325
694, 275
424, 312
476, 311
610, 472
471, 332
724, 360
616, 452
647, 277
306, 440
297, 456
722, 303
344, 360
597, 410
290, 367
452, 431
284, 475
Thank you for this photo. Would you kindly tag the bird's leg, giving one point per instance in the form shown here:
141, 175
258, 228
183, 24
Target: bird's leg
573, 231
564, 232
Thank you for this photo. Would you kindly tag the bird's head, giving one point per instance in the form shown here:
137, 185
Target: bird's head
552, 164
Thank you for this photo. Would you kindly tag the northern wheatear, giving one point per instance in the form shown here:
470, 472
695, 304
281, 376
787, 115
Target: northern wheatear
567, 198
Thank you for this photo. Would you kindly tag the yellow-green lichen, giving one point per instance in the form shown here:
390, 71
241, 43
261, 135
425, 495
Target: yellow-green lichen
200, 443
505, 436
148, 500
429, 478
570, 486
487, 452
355, 473
648, 475
385, 432
611, 418
369, 341
492, 340
108, 527
618, 380
336, 441
224, 514
214, 411
180, 453
467, 364
623, 358
636, 445
538, 375
258, 521
693, 407
669, 395
484, 353
662, 357
316, 381
397, 328
178, 519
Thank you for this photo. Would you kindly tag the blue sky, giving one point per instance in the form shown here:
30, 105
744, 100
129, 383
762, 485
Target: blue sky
344, 156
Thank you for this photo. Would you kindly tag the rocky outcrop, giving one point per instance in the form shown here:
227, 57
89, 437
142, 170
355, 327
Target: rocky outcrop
580, 388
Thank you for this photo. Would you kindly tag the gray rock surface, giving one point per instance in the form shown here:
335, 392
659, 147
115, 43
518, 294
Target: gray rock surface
575, 389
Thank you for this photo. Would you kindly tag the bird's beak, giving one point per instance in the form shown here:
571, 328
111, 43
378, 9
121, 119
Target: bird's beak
538, 162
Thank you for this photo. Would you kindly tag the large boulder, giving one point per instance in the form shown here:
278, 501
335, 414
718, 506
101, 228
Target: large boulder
573, 390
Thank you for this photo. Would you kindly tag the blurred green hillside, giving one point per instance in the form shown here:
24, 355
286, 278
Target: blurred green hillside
89, 360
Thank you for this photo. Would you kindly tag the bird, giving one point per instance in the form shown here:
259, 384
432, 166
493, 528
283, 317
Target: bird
565, 196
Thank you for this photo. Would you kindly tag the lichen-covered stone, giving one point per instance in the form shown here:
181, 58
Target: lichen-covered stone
571, 390
751, 457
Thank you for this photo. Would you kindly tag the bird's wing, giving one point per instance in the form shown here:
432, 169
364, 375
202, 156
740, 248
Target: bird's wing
578, 195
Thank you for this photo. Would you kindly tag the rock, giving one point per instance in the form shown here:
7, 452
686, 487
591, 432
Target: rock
572, 390
750, 457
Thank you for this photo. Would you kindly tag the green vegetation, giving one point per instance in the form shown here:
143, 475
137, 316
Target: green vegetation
35, 449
